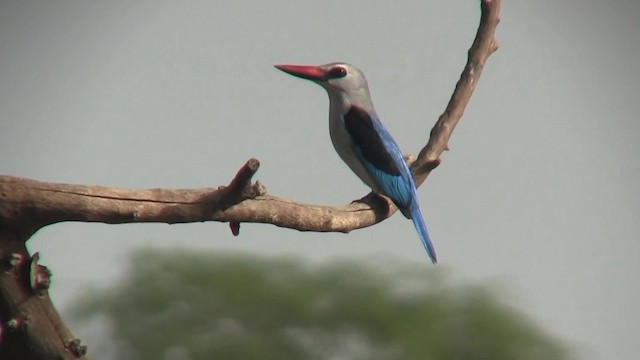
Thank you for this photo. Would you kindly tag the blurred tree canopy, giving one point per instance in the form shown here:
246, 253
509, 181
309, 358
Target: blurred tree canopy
179, 305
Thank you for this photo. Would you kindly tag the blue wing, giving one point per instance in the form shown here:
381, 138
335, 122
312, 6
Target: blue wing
381, 156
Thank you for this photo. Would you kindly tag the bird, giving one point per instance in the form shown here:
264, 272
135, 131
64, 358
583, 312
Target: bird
361, 140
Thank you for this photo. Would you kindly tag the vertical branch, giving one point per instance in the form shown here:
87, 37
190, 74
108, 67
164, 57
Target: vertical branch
483, 46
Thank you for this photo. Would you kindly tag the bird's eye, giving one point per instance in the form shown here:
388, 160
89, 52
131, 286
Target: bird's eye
337, 72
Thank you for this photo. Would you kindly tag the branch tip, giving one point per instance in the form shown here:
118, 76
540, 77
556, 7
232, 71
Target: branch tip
242, 180
235, 228
253, 164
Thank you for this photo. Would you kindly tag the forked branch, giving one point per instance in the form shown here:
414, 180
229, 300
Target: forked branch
30, 204
30, 327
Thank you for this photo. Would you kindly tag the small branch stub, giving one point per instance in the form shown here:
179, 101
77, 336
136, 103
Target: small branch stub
235, 228
39, 276
13, 324
15, 259
76, 348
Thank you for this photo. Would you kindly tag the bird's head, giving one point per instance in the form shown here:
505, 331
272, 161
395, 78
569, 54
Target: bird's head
339, 79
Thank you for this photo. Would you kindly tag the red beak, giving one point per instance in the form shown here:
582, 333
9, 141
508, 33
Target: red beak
304, 71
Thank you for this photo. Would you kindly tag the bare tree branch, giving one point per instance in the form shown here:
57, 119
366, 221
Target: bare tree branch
483, 46
238, 202
41, 203
30, 327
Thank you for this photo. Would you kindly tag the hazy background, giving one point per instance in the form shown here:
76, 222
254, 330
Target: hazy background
538, 193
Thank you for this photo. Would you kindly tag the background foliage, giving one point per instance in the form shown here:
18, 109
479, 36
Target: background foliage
180, 305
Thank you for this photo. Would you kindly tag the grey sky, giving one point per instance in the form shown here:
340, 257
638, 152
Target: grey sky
539, 192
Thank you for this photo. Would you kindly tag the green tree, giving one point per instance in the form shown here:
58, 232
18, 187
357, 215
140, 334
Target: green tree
179, 305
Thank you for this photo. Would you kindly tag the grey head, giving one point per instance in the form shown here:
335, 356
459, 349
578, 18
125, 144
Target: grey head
345, 83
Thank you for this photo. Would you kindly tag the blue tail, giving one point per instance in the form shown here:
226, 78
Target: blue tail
418, 222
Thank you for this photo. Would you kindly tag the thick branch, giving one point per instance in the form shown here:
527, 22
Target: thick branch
30, 327
37, 204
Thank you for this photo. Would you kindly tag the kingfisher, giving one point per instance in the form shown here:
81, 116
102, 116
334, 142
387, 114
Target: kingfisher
362, 141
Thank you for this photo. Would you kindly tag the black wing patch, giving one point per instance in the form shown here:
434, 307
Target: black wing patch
361, 128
